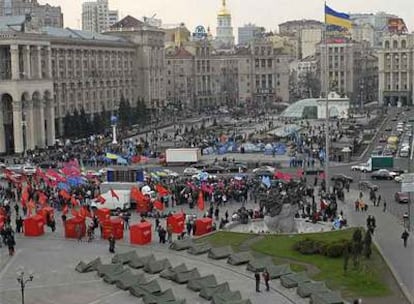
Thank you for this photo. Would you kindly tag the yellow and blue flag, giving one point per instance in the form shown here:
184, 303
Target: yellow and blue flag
335, 18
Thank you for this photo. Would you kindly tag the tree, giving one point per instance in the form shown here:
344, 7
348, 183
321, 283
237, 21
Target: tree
124, 112
67, 125
367, 244
84, 123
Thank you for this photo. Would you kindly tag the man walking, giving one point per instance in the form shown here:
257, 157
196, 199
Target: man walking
257, 278
266, 278
405, 236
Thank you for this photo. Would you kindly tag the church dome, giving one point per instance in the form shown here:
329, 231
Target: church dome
224, 11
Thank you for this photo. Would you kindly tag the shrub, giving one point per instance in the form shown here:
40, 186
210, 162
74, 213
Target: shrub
308, 246
333, 249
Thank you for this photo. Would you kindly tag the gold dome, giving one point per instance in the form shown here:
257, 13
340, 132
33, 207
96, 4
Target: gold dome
224, 11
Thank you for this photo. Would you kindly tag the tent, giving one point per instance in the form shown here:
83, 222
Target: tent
70, 227
306, 289
33, 226
156, 266
104, 269
203, 226
199, 283
45, 212
208, 292
141, 289
226, 297
259, 264
124, 258
114, 277
113, 226
171, 271
140, 233
199, 248
129, 280
181, 244
176, 221
219, 253
139, 262
294, 279
89, 267
103, 214
276, 271
166, 296
240, 258
329, 297
185, 276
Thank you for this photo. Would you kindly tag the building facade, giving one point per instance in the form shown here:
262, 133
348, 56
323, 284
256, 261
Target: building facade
96, 16
350, 69
396, 70
42, 15
309, 39
294, 27
247, 33
47, 74
224, 37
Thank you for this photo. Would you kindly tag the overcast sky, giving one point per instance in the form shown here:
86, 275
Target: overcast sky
267, 13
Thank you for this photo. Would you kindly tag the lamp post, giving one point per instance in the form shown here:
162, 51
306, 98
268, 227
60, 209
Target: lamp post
22, 280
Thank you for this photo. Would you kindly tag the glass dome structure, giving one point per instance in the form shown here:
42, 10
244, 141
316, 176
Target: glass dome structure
302, 109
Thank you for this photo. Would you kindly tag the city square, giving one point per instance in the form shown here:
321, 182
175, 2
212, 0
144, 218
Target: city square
160, 159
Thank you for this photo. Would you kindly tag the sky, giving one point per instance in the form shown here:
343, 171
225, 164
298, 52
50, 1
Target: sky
267, 13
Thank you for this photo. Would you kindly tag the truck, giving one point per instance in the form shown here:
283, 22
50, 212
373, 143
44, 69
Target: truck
182, 156
112, 203
375, 163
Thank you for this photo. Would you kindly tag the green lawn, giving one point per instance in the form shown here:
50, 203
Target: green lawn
366, 282
228, 238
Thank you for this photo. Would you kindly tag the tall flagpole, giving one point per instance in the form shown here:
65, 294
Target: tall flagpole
326, 104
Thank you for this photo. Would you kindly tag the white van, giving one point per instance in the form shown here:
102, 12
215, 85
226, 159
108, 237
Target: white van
112, 203
405, 151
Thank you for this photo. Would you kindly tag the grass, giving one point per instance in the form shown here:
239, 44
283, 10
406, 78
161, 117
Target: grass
234, 239
367, 281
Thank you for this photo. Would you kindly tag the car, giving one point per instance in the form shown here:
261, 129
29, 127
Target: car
236, 167
367, 185
269, 169
28, 169
398, 179
360, 167
342, 178
214, 169
398, 171
388, 129
401, 197
383, 174
191, 171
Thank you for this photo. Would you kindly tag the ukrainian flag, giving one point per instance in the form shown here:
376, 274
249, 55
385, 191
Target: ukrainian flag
336, 18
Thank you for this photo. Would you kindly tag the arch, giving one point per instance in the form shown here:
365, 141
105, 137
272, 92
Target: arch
7, 137
395, 44
387, 44
403, 44
25, 96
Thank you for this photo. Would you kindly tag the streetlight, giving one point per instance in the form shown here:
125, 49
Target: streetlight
23, 281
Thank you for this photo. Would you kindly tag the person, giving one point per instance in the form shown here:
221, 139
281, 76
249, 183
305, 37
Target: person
405, 236
11, 243
169, 233
257, 278
78, 230
266, 279
384, 206
111, 241
19, 224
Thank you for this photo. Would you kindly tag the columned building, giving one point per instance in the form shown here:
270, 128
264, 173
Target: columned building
396, 70
48, 73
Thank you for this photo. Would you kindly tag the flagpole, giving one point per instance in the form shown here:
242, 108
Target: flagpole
326, 105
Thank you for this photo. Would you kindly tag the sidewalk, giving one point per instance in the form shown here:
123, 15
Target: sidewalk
387, 237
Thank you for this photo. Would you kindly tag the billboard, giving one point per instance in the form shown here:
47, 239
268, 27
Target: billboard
397, 26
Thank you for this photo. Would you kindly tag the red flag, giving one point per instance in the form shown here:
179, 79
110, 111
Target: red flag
200, 201
113, 194
84, 212
42, 198
30, 207
73, 201
100, 199
161, 190
137, 195
158, 205
74, 213
63, 193
65, 210
25, 196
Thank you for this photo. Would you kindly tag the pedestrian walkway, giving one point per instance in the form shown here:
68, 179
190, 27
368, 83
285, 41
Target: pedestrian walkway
388, 240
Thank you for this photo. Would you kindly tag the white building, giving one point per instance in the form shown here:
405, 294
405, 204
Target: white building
247, 33
309, 40
225, 37
96, 16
